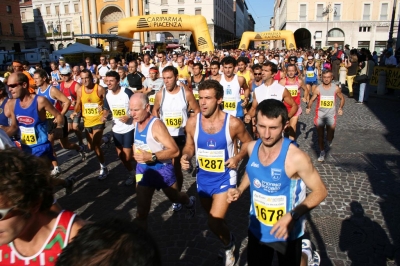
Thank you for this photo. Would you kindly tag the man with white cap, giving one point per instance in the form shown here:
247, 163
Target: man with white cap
62, 64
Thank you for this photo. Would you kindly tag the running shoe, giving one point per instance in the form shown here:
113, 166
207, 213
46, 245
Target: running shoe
82, 153
103, 173
315, 259
129, 181
191, 211
176, 207
70, 184
229, 254
55, 172
321, 157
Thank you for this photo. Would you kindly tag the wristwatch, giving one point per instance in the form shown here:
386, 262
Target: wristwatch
153, 157
295, 215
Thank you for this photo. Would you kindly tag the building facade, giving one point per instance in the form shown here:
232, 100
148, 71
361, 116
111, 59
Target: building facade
11, 33
319, 23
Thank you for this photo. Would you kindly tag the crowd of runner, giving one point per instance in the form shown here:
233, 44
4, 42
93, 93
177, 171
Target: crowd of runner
219, 108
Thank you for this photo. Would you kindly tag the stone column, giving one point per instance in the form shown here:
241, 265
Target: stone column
86, 17
93, 20
136, 35
127, 9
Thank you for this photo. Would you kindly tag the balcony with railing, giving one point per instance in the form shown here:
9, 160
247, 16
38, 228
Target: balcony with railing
59, 35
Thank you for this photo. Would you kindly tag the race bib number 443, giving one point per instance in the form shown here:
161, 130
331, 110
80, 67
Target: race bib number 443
91, 109
211, 160
326, 101
269, 209
28, 135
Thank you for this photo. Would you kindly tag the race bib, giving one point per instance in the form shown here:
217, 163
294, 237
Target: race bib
152, 98
310, 74
269, 209
326, 101
293, 89
91, 109
173, 119
49, 115
211, 160
196, 94
230, 103
28, 135
142, 146
118, 111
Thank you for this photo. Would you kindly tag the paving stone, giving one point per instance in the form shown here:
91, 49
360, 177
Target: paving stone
369, 179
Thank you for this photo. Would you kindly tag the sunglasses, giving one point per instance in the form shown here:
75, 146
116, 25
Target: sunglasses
4, 212
13, 85
257, 74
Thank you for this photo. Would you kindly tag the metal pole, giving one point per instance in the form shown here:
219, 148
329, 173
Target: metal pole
80, 19
390, 40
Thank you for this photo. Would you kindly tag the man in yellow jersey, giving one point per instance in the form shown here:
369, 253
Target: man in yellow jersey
90, 99
243, 71
184, 71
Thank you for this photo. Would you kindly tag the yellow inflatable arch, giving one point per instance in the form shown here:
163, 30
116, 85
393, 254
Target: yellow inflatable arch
197, 24
286, 35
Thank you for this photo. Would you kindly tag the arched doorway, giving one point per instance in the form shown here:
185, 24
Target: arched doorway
60, 46
69, 44
336, 35
302, 37
109, 18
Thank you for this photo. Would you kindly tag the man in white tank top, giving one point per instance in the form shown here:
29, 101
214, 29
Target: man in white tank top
271, 89
145, 66
172, 104
154, 149
232, 84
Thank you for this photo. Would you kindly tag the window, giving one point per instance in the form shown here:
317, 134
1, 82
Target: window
68, 27
22, 15
197, 11
66, 9
12, 29
47, 10
197, 1
384, 11
164, 12
164, 2
320, 10
76, 8
38, 13
336, 11
335, 33
57, 10
318, 34
318, 44
364, 29
367, 12
8, 9
181, 11
303, 12
181, 1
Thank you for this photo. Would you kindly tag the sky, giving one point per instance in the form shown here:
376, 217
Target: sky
262, 11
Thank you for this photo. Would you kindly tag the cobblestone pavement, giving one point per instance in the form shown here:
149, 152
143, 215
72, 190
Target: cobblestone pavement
357, 224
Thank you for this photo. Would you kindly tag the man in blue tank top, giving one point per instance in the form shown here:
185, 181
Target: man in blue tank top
28, 111
154, 149
278, 174
210, 137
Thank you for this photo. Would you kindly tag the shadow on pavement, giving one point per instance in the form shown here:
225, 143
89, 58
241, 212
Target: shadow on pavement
364, 240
